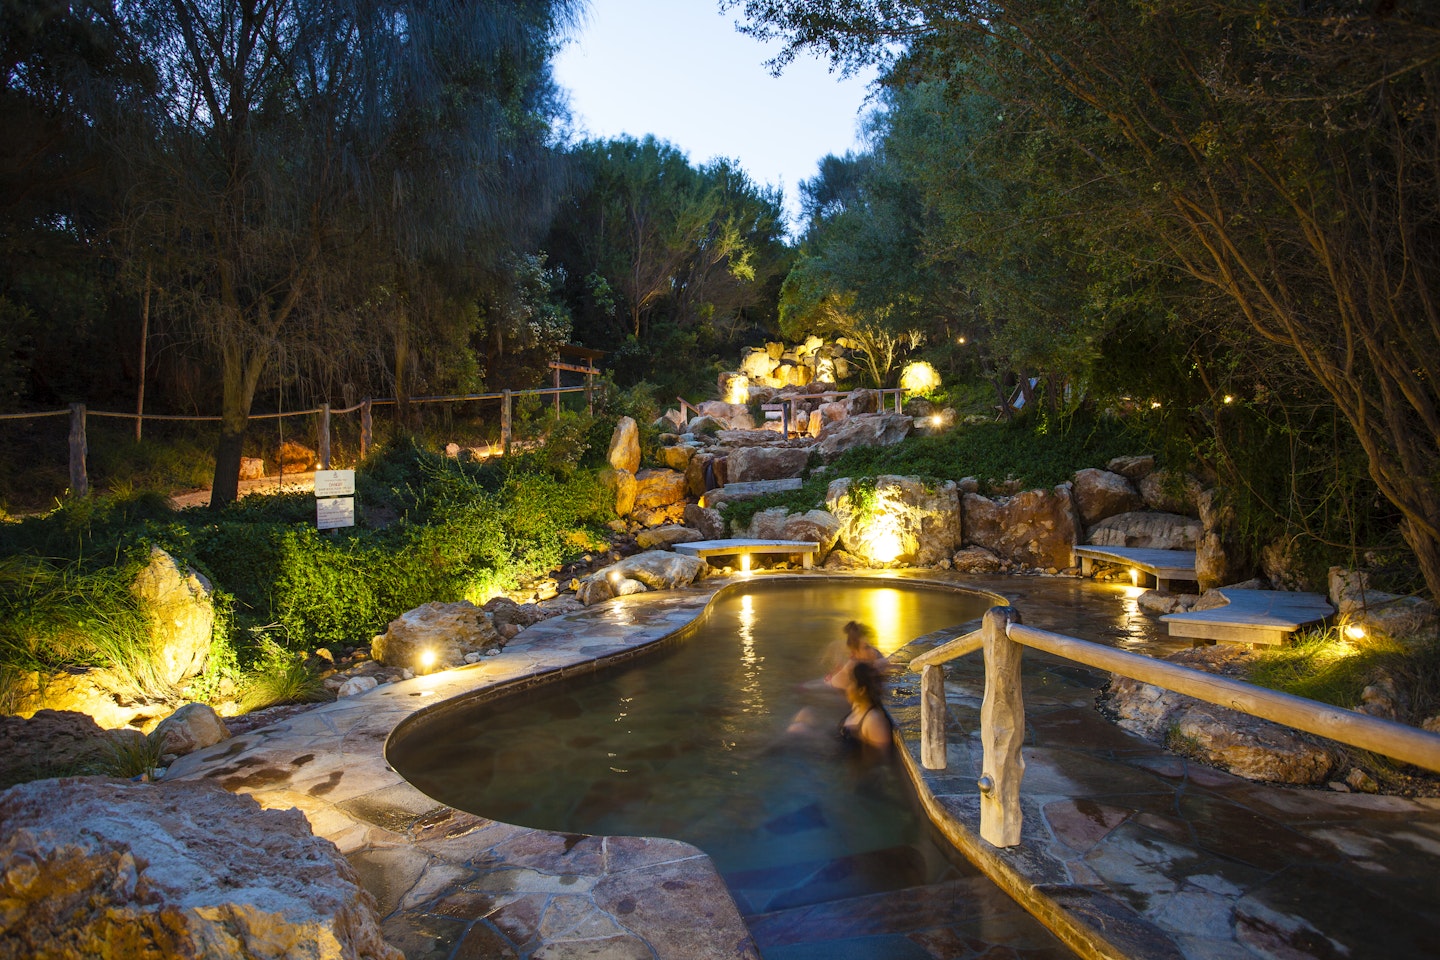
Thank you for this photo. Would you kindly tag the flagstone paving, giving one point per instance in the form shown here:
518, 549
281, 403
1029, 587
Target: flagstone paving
1127, 850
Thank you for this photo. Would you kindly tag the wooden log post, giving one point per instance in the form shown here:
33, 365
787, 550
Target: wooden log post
367, 428
324, 436
557, 393
79, 479
785, 418
505, 423
1002, 730
932, 717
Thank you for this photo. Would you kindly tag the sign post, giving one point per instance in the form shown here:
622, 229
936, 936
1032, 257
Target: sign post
334, 499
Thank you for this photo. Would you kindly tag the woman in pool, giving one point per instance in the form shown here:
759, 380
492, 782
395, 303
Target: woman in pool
857, 649
867, 724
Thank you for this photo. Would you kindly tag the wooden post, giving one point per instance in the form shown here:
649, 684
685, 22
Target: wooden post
505, 423
1002, 730
367, 428
324, 436
144, 338
79, 480
932, 717
590, 391
557, 393
785, 418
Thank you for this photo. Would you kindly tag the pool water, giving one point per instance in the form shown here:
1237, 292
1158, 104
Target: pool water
691, 743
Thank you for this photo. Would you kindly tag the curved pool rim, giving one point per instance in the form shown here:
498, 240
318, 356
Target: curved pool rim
498, 691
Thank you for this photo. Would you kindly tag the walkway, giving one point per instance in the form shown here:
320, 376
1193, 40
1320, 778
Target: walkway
1147, 851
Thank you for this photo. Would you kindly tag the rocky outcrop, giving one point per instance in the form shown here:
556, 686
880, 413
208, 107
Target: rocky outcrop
1100, 494
657, 569
621, 484
676, 456
1169, 491
1156, 531
663, 538
903, 521
1234, 741
976, 560
862, 402
1399, 617
1035, 527
624, 452
1132, 468
736, 416
818, 526
107, 868
659, 497
444, 631
106, 694
1282, 565
295, 457
766, 463
56, 743
706, 521
504, 611
194, 726
868, 430
182, 615
767, 524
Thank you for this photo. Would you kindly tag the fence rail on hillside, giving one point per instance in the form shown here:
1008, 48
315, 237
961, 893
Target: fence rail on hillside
79, 414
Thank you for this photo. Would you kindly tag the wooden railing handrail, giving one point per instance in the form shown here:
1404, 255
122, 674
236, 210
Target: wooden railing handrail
1002, 717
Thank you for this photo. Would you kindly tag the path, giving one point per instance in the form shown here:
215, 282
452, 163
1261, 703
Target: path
290, 483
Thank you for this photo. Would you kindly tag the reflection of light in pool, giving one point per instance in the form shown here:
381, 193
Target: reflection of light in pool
882, 612
750, 659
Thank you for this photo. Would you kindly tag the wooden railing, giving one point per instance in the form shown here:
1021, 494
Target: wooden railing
1002, 712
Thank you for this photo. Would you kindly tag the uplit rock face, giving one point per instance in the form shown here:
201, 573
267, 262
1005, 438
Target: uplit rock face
503, 611
182, 614
657, 569
448, 630
677, 457
624, 452
705, 521
295, 457
665, 537
1156, 531
1035, 527
622, 484
1400, 617
1244, 745
818, 526
106, 868
658, 488
767, 463
193, 727
866, 430
906, 522
734, 415
252, 468
862, 402
103, 694
1099, 494
767, 524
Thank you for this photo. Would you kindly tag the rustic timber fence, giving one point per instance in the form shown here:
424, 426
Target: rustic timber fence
1002, 712
78, 414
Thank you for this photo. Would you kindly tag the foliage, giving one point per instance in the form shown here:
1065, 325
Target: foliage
129, 757
279, 676
1322, 665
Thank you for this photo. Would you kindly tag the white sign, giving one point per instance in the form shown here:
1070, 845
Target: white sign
332, 512
334, 483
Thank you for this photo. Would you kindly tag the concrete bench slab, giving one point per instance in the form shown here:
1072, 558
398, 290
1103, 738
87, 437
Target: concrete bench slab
705, 549
1252, 616
1166, 566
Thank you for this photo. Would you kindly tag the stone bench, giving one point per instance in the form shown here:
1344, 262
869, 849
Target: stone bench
1251, 616
1166, 566
704, 549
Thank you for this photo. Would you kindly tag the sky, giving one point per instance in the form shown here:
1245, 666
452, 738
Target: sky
680, 70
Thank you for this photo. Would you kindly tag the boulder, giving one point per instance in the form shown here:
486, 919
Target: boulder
658, 488
55, 743
814, 423
840, 560
659, 516
1244, 745
735, 415
252, 468
503, 611
1392, 614
624, 452
749, 438
559, 606
831, 412
595, 590
872, 430
622, 484
657, 569
448, 631
109, 868
677, 457
767, 524
758, 363
976, 560
667, 536
1156, 531
704, 424
706, 521
905, 521
105, 694
1132, 468
194, 726
182, 615
295, 457
705, 471
766, 463
1169, 491
1035, 527
819, 526
1283, 566
862, 401
1100, 494
1214, 565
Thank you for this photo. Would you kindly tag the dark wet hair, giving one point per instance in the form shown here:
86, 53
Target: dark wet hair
856, 633
868, 679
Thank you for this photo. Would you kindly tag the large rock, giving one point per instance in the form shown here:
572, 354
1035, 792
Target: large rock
704, 424
621, 483
1170, 491
736, 415
503, 611
705, 471
624, 453
106, 694
862, 402
1156, 531
1397, 616
819, 526
657, 569
663, 538
295, 457
1132, 468
757, 364
447, 631
194, 726
1099, 494
768, 524
766, 463
1244, 745
976, 560
677, 457
1035, 527
706, 521
252, 468
1284, 567
904, 521
866, 430
182, 615
658, 488
56, 743
108, 868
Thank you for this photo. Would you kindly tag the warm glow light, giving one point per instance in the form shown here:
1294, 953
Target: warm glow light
886, 546
745, 564
1134, 577
738, 390
427, 659
936, 420
1229, 398
1132, 592
1355, 632
919, 376
960, 340
1154, 404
